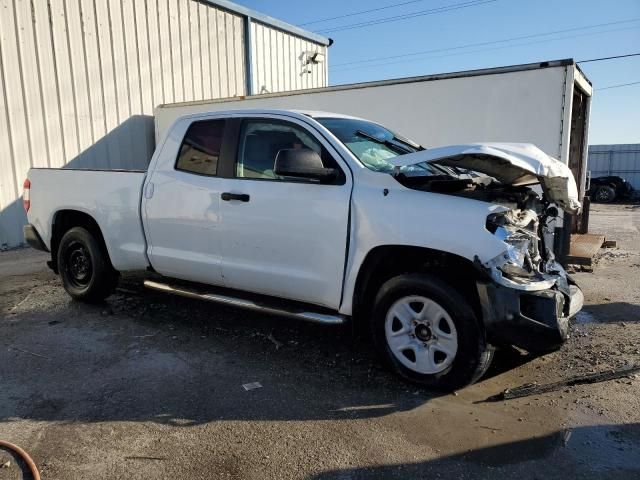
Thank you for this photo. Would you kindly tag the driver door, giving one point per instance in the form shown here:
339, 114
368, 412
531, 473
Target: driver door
281, 236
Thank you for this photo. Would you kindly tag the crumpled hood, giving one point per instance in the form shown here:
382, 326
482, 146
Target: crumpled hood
509, 163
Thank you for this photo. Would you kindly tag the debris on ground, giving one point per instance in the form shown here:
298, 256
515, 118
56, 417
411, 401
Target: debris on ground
143, 457
251, 386
274, 341
127, 291
534, 388
23, 456
28, 352
271, 338
15, 307
573, 268
612, 255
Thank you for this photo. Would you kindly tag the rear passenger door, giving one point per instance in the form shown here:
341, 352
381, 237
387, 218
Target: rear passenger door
284, 237
181, 202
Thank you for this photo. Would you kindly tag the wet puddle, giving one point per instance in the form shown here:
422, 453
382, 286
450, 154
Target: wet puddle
598, 448
606, 447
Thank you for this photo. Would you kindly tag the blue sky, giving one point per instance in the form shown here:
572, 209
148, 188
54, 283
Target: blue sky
615, 113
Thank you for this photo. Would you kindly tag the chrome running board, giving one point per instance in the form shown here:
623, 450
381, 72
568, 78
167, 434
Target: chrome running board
276, 307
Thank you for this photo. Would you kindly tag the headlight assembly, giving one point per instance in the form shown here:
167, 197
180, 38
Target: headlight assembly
517, 245
514, 229
520, 264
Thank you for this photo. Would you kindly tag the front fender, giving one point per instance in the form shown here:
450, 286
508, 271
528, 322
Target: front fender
413, 218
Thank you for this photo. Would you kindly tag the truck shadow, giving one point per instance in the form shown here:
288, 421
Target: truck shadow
612, 312
146, 356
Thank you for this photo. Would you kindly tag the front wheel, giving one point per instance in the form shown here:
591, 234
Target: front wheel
428, 333
84, 266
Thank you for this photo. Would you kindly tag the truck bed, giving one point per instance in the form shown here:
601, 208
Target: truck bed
111, 197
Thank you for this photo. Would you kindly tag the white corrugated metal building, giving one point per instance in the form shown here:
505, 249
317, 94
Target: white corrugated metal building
622, 160
79, 79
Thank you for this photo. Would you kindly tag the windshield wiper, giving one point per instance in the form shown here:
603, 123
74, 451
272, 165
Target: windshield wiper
381, 141
409, 143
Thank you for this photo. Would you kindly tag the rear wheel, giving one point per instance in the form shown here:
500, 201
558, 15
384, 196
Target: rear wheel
604, 194
84, 266
428, 333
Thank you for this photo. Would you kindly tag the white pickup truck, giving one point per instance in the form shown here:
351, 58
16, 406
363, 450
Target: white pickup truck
442, 254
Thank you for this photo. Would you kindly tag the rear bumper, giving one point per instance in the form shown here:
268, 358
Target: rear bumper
536, 321
32, 237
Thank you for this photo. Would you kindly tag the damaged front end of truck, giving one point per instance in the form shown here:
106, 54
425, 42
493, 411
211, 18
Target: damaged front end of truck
526, 296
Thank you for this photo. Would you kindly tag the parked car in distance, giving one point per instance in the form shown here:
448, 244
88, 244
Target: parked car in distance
328, 218
609, 189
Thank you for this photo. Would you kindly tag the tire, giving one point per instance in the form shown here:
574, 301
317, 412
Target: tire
604, 194
446, 349
84, 266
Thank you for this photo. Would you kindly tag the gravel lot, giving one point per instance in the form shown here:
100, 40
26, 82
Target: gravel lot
150, 386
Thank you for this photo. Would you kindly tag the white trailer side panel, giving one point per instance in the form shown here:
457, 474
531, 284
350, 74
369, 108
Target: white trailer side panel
517, 106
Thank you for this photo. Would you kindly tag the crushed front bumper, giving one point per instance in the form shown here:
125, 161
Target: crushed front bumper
536, 321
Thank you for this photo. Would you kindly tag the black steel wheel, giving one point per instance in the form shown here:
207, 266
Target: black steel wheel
78, 269
84, 266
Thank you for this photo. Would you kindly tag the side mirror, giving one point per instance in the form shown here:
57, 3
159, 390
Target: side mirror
302, 163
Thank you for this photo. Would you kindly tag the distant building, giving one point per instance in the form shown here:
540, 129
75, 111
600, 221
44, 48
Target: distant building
622, 160
79, 80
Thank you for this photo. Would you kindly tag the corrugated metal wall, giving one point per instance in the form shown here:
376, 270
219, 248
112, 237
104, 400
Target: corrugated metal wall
79, 80
622, 160
279, 61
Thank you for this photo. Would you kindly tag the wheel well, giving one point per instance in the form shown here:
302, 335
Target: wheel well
385, 262
65, 220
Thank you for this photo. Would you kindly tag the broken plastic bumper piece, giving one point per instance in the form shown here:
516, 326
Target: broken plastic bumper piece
536, 321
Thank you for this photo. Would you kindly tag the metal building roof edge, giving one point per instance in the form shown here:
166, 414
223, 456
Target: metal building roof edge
270, 21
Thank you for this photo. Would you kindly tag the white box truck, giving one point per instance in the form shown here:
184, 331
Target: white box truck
545, 104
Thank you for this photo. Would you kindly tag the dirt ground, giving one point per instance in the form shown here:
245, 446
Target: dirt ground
150, 386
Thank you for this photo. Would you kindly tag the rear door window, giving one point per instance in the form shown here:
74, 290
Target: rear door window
200, 149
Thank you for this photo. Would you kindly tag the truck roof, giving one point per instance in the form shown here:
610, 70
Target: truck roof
308, 113
321, 114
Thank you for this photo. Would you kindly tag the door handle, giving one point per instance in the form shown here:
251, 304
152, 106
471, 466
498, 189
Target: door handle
227, 196
148, 191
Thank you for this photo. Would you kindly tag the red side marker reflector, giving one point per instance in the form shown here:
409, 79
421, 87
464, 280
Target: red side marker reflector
26, 195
